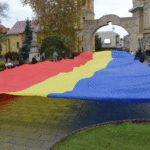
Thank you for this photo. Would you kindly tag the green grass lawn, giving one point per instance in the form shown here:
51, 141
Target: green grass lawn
126, 136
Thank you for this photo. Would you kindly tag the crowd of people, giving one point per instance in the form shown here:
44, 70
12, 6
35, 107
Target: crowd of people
9, 64
140, 55
55, 55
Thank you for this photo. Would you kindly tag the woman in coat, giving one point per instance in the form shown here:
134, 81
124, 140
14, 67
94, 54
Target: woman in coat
55, 55
9, 64
34, 61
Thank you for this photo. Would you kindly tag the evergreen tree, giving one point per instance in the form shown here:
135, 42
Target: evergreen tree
24, 51
98, 44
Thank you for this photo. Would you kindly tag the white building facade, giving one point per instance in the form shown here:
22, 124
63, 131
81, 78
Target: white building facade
110, 39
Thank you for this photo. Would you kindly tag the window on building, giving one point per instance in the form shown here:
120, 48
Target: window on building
17, 44
106, 41
82, 38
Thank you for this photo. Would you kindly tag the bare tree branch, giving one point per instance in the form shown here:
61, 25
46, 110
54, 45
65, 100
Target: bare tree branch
4, 10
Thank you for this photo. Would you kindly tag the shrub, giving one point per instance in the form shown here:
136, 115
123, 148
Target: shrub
12, 55
54, 43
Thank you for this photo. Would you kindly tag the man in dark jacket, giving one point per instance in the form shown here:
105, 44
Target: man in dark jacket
63, 55
43, 57
21, 61
34, 61
73, 55
140, 52
136, 55
142, 57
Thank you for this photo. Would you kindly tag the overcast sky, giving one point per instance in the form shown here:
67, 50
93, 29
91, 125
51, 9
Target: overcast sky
101, 7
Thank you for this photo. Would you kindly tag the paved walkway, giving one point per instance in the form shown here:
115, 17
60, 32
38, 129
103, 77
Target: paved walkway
37, 123
33, 123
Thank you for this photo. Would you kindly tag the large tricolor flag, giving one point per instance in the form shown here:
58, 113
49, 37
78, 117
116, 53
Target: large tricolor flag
102, 76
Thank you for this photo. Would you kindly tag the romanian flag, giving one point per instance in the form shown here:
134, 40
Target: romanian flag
101, 76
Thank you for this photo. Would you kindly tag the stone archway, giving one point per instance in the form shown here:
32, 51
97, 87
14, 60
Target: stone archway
130, 24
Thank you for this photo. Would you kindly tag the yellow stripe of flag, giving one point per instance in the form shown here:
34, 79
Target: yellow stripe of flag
66, 81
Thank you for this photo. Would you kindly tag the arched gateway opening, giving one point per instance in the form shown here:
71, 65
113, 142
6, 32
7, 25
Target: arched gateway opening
130, 24
112, 37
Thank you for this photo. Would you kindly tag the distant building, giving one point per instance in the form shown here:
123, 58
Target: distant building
3, 41
87, 13
141, 10
127, 42
121, 43
110, 39
16, 36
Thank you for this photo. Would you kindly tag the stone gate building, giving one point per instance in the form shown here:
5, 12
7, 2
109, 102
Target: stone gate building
141, 10
109, 39
137, 26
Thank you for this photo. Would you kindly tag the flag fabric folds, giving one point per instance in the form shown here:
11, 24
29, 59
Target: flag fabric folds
25, 76
101, 76
123, 80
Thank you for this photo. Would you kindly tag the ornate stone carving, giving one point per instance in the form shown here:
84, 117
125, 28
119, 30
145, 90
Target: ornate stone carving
34, 49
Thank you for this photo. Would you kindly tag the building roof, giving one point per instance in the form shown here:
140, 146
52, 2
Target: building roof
19, 27
136, 8
4, 30
110, 32
106, 32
